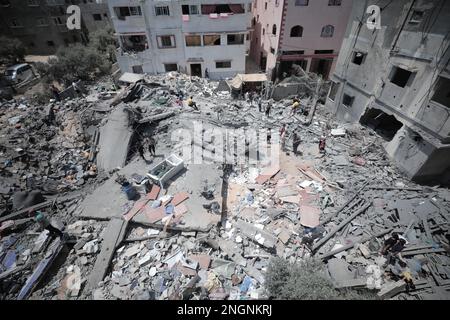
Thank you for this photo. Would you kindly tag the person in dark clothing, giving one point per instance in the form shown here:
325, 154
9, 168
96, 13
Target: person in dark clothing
268, 110
55, 93
51, 118
260, 105
140, 147
322, 143
151, 146
389, 243
295, 143
45, 224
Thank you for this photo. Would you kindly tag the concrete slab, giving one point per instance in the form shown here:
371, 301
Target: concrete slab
114, 140
107, 200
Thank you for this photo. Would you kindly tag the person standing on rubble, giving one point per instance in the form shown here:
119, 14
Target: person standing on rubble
55, 92
295, 106
282, 135
295, 143
76, 88
322, 143
260, 104
192, 104
268, 107
51, 118
40, 218
152, 146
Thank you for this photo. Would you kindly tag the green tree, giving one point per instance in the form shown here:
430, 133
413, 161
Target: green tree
305, 280
11, 50
77, 62
104, 41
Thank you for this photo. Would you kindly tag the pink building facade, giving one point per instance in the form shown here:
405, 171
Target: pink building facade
304, 32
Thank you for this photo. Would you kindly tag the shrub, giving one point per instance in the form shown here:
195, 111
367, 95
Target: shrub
77, 62
11, 50
104, 41
304, 281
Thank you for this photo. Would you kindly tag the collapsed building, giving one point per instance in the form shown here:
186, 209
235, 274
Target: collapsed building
174, 226
395, 79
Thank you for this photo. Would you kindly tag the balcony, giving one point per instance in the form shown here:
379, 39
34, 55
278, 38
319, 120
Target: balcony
129, 24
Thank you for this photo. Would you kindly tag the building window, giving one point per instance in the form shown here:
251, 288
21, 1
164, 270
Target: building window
170, 67
33, 3
122, 12
264, 31
193, 41
265, 6
327, 31
162, 10
134, 43
58, 21
211, 40
233, 39
97, 16
50, 43
105, 15
223, 8
274, 30
401, 77
166, 42
442, 92
5, 3
297, 31
334, 2
293, 52
333, 90
272, 50
358, 57
137, 69
347, 100
41, 22
189, 9
55, 2
257, 18
16, 23
416, 17
223, 64
323, 51
301, 2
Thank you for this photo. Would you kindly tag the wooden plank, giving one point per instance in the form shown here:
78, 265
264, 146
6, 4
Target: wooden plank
351, 245
427, 229
25, 210
424, 251
114, 234
346, 203
340, 226
40, 270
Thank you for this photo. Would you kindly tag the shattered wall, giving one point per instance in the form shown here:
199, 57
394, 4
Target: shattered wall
402, 48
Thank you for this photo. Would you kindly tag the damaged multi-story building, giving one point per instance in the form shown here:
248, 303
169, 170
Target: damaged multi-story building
396, 80
42, 24
302, 32
198, 37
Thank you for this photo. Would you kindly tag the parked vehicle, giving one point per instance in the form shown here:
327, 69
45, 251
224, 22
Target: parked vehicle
19, 73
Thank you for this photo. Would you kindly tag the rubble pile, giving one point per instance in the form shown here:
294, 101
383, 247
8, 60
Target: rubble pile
166, 229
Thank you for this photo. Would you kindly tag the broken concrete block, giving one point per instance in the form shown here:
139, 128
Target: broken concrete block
132, 251
284, 236
261, 236
91, 247
364, 250
391, 289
